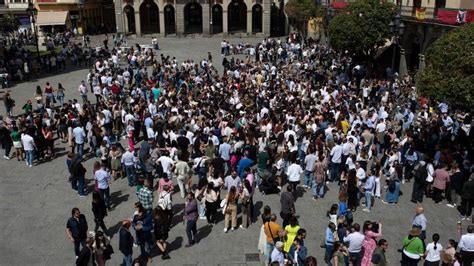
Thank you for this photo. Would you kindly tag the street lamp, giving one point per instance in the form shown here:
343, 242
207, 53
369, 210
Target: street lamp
32, 11
81, 16
329, 15
397, 29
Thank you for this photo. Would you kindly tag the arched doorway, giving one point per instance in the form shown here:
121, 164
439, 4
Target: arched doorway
257, 18
170, 22
193, 18
216, 19
129, 12
237, 16
149, 17
277, 20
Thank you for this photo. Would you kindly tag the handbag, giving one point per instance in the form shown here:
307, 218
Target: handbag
108, 251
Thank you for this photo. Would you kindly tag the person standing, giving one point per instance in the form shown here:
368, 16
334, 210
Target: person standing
467, 198
79, 139
191, 216
76, 230
128, 160
145, 196
310, 163
86, 256
369, 191
5, 139
369, 243
420, 221
126, 243
78, 175
29, 146
412, 248
103, 178
182, 171
271, 229
99, 210
378, 257
433, 252
355, 239
466, 246
83, 91
230, 210
287, 205
294, 172
441, 178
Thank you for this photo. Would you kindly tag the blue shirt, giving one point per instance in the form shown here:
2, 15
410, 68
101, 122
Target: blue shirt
224, 151
370, 184
243, 163
103, 178
79, 135
329, 240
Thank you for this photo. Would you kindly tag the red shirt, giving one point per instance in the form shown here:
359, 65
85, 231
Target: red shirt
441, 177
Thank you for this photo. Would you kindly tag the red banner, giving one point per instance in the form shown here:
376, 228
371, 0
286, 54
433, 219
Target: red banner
339, 5
454, 16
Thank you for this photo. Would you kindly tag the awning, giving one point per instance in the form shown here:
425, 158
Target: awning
52, 18
339, 5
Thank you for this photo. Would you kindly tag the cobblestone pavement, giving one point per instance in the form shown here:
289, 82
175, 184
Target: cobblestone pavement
36, 202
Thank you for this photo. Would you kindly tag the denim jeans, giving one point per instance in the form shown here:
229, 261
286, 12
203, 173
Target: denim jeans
308, 177
78, 243
368, 199
191, 231
127, 259
29, 157
317, 189
355, 258
105, 195
80, 150
130, 172
268, 252
81, 185
334, 173
327, 255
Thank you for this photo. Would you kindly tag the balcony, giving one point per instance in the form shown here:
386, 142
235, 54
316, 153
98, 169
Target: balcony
72, 2
22, 6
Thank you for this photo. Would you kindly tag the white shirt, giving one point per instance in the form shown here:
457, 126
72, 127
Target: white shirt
433, 254
294, 172
28, 142
466, 242
355, 241
166, 163
336, 154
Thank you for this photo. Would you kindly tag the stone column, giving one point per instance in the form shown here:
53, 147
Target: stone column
225, 28
266, 17
162, 22
179, 19
402, 69
421, 63
138, 27
206, 29
249, 19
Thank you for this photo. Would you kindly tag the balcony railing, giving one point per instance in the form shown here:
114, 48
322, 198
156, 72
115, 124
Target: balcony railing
58, 1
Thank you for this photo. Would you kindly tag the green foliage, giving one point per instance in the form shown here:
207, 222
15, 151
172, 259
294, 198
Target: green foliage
301, 10
9, 24
362, 28
449, 72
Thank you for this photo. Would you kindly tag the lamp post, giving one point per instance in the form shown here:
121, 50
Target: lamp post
32, 11
397, 29
329, 15
81, 16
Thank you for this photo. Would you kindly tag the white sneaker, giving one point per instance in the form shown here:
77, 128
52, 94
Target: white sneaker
241, 226
384, 202
135, 245
232, 229
225, 230
450, 205
30, 165
365, 210
6, 157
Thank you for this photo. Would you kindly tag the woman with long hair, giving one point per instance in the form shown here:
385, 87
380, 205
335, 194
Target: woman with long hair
161, 229
291, 231
433, 252
211, 201
246, 198
60, 94
230, 210
100, 243
352, 190
369, 243
99, 210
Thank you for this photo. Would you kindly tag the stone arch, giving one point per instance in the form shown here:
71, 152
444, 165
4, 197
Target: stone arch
237, 16
129, 17
170, 19
217, 19
257, 18
149, 17
193, 18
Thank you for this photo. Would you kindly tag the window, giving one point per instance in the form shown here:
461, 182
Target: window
440, 4
2, 2
416, 3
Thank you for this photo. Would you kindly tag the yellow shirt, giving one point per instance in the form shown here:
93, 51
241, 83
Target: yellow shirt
290, 236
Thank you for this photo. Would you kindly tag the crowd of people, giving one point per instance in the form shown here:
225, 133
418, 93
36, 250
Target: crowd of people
292, 113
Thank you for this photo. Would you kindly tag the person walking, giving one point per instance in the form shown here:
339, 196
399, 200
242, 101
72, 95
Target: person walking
86, 256
79, 138
420, 221
128, 161
287, 203
355, 240
100, 248
161, 230
211, 202
76, 230
247, 204
467, 198
143, 224
78, 175
103, 178
369, 245
126, 243
182, 171
191, 216
99, 210
5, 139
29, 146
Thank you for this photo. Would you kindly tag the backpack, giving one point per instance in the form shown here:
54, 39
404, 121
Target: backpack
391, 186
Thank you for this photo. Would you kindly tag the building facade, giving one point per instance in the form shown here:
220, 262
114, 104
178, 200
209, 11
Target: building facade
16, 8
206, 17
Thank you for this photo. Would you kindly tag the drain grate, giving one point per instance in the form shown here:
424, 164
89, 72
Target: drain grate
252, 257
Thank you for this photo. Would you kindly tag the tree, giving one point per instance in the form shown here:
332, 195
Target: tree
449, 72
301, 11
362, 28
9, 24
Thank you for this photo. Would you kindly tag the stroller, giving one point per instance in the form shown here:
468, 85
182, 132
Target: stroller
268, 185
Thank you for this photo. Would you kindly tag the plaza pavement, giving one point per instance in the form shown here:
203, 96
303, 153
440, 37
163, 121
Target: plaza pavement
36, 202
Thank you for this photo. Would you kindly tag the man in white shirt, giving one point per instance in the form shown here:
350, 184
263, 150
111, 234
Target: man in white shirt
310, 162
128, 160
294, 172
166, 163
83, 91
29, 146
79, 139
466, 245
355, 239
360, 173
336, 157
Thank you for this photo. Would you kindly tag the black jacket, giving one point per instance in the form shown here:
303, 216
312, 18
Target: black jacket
468, 190
85, 256
99, 209
125, 241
